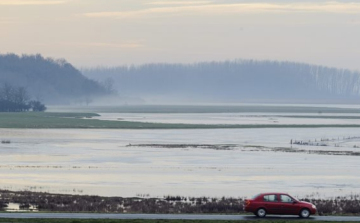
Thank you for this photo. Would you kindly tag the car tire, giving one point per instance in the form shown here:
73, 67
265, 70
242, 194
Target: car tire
304, 213
261, 213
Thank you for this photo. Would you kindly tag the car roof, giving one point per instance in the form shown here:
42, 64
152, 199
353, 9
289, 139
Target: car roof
270, 193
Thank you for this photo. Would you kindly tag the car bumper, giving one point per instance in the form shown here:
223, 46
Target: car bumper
249, 209
312, 211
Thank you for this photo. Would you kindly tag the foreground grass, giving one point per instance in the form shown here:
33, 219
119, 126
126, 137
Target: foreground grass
144, 221
58, 120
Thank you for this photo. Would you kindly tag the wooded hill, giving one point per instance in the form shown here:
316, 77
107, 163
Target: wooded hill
233, 81
48, 80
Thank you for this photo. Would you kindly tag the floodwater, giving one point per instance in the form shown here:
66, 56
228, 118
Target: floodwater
101, 162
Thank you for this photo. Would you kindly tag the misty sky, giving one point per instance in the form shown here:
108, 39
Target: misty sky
117, 32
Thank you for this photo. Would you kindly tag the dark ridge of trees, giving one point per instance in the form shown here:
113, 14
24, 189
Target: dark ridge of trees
17, 99
234, 81
49, 80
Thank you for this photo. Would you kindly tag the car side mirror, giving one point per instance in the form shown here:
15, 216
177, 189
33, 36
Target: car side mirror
294, 202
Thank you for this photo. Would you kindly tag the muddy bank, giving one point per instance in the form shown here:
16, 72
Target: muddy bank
249, 148
200, 146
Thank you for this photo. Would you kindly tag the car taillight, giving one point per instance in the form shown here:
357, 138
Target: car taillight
247, 202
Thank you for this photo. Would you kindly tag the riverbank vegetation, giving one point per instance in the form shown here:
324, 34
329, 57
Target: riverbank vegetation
346, 205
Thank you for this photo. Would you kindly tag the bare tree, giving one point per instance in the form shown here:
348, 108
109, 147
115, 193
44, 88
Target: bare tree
16, 99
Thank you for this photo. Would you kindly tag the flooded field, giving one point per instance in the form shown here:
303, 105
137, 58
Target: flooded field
236, 118
176, 162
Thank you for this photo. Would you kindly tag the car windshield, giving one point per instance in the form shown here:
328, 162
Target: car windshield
255, 196
289, 197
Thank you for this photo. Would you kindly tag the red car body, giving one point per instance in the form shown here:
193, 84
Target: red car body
279, 204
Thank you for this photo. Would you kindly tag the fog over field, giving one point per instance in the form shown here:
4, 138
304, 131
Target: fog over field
235, 81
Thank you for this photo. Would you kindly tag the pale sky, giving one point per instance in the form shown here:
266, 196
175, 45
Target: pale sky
90, 33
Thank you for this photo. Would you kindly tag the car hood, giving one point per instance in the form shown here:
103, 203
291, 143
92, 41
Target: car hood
307, 203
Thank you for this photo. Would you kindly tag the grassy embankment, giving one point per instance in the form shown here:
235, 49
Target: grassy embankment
76, 120
146, 221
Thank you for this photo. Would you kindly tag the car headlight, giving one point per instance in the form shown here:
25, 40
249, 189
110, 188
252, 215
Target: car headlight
313, 206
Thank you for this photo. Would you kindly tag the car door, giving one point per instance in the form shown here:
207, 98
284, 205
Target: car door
287, 205
271, 203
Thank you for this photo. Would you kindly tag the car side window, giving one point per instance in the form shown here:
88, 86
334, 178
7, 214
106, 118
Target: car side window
286, 199
270, 198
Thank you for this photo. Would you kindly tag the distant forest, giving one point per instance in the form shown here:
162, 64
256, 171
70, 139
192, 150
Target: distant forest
47, 80
232, 81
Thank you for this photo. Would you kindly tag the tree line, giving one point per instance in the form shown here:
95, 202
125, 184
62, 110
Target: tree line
233, 81
17, 99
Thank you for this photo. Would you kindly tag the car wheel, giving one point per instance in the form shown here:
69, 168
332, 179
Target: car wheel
261, 213
304, 213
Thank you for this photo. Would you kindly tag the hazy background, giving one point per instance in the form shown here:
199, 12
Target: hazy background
117, 32
194, 51
236, 81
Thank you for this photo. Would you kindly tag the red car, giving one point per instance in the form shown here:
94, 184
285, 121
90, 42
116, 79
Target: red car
278, 203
